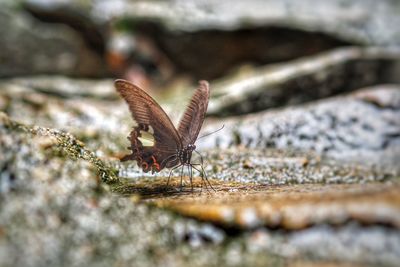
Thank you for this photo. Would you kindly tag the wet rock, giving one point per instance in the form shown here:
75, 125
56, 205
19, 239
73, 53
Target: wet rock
57, 48
302, 80
348, 128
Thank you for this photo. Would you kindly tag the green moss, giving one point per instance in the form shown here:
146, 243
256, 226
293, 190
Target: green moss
73, 147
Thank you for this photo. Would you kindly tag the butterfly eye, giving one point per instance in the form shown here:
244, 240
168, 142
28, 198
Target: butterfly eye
191, 147
146, 138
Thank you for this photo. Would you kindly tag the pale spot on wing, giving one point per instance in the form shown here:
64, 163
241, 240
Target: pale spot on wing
146, 138
151, 130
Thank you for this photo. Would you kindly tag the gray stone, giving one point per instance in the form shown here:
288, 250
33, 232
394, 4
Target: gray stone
376, 245
309, 78
208, 39
362, 127
29, 47
54, 211
351, 20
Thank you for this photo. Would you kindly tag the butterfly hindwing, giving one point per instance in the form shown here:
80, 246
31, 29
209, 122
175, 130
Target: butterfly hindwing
154, 141
192, 120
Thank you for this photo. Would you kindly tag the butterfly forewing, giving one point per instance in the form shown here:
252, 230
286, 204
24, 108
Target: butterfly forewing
192, 120
154, 141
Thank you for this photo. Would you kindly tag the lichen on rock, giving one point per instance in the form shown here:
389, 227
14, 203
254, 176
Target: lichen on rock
69, 144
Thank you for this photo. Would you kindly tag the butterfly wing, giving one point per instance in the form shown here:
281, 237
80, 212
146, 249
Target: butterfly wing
192, 120
154, 141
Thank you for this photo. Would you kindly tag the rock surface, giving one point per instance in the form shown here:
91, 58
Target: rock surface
314, 181
362, 127
298, 81
55, 210
293, 207
352, 20
217, 38
31, 47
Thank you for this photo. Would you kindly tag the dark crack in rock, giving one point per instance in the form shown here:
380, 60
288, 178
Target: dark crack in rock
216, 38
305, 79
351, 21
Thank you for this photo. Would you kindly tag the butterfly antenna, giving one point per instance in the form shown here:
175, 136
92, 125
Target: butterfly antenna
211, 132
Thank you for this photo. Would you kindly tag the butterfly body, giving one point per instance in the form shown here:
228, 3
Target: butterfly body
185, 155
155, 142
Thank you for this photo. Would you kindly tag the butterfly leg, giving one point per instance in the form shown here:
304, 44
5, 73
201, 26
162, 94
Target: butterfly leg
169, 176
190, 175
201, 157
203, 183
200, 164
203, 176
183, 166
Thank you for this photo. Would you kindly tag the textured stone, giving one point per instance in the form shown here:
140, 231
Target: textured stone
309, 78
54, 210
351, 21
30, 47
361, 127
312, 185
89, 110
227, 167
377, 246
216, 38
293, 207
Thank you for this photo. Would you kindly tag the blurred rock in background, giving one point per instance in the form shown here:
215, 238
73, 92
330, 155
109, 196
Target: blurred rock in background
306, 168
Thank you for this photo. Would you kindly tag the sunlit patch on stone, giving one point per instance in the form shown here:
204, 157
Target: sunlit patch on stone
146, 138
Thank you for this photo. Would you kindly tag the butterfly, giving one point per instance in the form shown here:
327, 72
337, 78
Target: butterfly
155, 142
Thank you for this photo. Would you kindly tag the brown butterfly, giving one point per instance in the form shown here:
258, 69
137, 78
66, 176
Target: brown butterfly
155, 143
